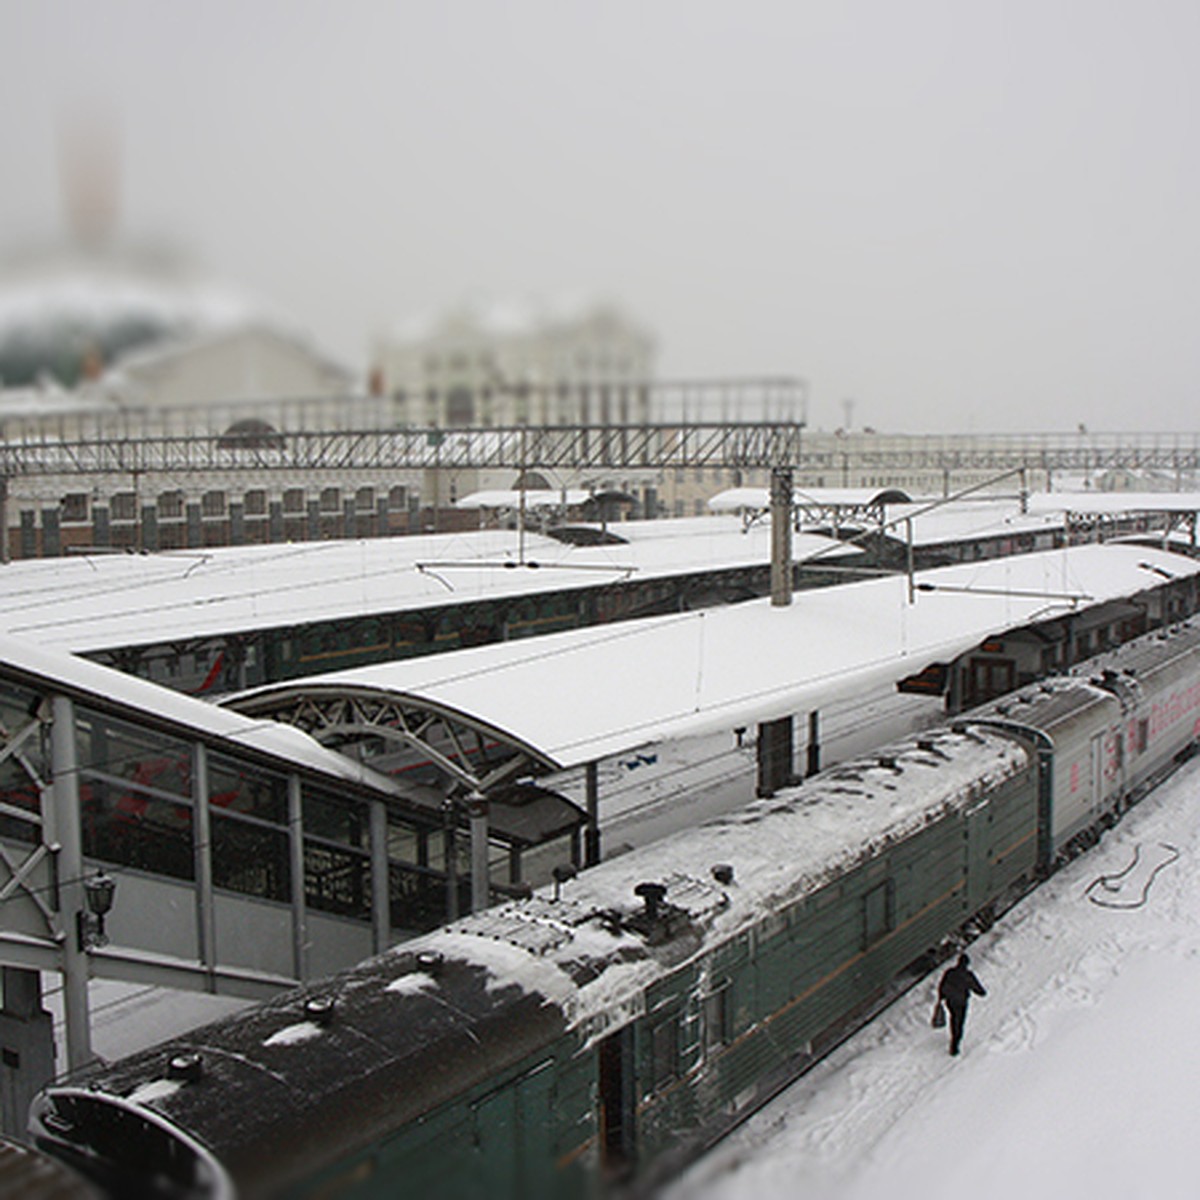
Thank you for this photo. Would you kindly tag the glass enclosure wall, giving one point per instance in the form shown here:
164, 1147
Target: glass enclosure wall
138, 797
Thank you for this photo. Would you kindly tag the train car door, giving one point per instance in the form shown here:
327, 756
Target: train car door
616, 1102
979, 860
513, 1135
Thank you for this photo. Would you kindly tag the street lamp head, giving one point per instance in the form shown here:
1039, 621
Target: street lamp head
99, 890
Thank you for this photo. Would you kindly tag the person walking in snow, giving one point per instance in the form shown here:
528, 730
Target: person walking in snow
955, 992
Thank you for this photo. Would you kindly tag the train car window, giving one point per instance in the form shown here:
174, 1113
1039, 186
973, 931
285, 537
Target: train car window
878, 917
718, 1018
664, 1051
1142, 735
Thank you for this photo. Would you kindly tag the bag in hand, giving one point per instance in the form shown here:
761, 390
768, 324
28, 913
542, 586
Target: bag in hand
939, 1015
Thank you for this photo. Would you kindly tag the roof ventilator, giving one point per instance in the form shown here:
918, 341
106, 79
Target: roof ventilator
430, 961
186, 1068
562, 874
320, 1009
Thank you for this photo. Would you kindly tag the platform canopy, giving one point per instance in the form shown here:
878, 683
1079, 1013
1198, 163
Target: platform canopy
1115, 503
494, 713
531, 498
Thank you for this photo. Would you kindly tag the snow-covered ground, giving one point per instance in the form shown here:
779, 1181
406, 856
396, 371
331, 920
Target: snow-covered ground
1080, 1072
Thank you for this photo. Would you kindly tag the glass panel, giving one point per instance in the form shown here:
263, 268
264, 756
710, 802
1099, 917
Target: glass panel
337, 880
250, 858
664, 1051
419, 897
135, 830
122, 751
403, 843
245, 788
170, 504
75, 507
334, 819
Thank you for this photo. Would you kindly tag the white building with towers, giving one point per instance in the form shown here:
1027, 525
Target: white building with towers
480, 365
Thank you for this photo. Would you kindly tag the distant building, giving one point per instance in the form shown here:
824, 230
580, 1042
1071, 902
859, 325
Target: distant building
245, 362
501, 366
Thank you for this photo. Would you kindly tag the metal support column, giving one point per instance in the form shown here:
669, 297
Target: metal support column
477, 810
68, 832
450, 840
591, 845
27, 1035
813, 764
206, 914
296, 858
381, 891
908, 560
781, 537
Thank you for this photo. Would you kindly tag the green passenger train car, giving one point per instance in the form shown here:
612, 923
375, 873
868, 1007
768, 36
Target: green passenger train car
586, 1044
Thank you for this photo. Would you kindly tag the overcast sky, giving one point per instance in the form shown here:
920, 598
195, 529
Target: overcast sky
961, 214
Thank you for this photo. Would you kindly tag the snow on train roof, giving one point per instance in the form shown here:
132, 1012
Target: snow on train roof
101, 601
780, 849
579, 696
585, 952
285, 742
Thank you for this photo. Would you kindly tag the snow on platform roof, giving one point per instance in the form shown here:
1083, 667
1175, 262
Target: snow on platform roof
105, 601
1110, 503
737, 499
956, 520
579, 696
77, 676
533, 498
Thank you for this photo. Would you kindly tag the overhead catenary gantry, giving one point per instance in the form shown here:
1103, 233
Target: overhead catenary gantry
201, 446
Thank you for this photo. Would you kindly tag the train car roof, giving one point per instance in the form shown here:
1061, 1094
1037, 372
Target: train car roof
579, 696
456, 1006
1113, 676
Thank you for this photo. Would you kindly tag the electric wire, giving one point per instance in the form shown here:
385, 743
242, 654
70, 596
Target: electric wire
1113, 882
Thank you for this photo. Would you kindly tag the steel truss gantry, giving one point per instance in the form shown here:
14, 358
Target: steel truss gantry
729, 445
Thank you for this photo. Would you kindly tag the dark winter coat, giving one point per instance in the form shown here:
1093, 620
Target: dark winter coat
958, 983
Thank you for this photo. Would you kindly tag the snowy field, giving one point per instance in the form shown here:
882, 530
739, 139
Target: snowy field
1080, 1072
